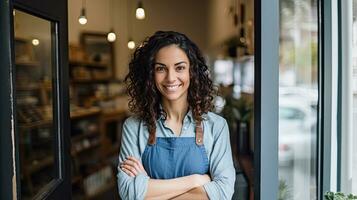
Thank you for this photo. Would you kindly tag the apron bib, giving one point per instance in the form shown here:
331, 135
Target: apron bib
173, 157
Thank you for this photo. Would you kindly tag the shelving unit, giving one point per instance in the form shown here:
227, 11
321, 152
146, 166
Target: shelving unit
93, 152
89, 146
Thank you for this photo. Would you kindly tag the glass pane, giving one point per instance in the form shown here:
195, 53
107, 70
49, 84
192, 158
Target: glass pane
298, 92
34, 101
354, 89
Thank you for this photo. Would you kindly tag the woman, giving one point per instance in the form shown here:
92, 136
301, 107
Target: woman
173, 147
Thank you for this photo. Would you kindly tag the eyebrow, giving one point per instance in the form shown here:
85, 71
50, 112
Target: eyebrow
157, 63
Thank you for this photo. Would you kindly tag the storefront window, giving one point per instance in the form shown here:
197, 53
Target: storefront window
298, 96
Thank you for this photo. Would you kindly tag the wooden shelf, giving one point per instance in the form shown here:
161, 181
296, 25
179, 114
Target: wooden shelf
34, 167
80, 113
27, 64
91, 81
36, 124
105, 98
89, 64
28, 87
84, 112
34, 86
120, 112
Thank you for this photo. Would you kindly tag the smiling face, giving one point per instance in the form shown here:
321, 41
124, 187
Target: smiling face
172, 76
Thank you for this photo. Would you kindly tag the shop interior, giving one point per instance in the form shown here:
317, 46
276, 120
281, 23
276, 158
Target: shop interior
102, 35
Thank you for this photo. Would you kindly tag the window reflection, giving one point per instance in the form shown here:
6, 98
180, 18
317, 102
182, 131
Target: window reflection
298, 99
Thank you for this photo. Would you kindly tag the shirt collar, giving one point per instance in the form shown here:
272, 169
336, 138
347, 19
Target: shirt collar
188, 115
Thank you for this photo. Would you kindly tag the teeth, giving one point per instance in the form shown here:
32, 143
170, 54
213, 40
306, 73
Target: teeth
172, 87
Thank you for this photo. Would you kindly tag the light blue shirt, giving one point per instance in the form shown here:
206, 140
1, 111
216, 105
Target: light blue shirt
216, 141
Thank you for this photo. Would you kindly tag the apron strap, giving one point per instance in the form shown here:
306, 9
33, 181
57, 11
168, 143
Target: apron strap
199, 133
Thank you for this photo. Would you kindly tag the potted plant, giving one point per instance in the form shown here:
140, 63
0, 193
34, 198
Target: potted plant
339, 196
238, 113
284, 191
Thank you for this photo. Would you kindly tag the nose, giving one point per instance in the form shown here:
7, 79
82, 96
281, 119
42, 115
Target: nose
171, 75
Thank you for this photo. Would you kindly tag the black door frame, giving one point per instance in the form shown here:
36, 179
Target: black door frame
56, 12
7, 143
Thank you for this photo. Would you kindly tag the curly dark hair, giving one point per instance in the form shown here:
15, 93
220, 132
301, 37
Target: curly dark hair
145, 98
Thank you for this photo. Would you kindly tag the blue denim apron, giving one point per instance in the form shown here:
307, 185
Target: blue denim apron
172, 157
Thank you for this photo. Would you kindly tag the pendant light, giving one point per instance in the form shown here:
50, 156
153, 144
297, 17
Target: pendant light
131, 43
35, 42
140, 12
82, 19
111, 37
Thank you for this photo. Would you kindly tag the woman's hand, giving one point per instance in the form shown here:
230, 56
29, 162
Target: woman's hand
132, 166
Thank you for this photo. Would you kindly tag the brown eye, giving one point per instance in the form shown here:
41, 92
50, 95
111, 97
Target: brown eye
180, 68
159, 69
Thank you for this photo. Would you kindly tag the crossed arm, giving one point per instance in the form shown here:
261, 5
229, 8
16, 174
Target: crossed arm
187, 187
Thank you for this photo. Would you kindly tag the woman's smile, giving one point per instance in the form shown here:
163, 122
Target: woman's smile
172, 88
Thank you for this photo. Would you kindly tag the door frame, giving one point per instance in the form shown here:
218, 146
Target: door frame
8, 176
266, 97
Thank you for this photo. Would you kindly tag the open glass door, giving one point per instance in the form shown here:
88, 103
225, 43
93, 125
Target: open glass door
38, 94
36, 119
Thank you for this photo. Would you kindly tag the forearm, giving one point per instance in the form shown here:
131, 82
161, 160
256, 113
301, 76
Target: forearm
198, 193
170, 188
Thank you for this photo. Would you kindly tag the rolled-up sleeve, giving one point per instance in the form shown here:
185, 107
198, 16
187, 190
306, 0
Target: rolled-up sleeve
221, 165
131, 187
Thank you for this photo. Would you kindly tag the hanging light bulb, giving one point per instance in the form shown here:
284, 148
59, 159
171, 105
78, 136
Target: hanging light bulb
82, 19
35, 42
131, 44
140, 12
111, 37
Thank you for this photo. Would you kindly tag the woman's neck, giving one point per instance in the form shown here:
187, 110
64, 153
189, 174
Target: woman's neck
175, 111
